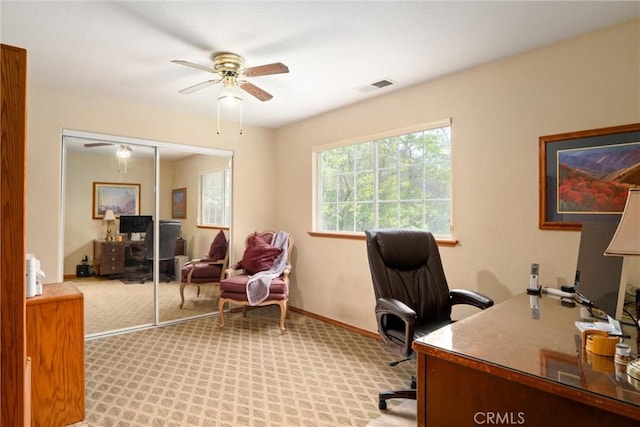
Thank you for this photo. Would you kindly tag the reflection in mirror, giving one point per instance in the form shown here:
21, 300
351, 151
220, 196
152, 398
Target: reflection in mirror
109, 212
196, 192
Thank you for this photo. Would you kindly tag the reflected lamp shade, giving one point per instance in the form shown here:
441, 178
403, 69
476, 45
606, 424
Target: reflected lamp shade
626, 240
109, 215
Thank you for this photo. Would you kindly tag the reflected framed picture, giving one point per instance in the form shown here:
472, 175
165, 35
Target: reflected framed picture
585, 176
122, 198
561, 367
179, 203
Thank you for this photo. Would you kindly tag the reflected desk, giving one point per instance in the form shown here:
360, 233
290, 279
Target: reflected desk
504, 367
112, 257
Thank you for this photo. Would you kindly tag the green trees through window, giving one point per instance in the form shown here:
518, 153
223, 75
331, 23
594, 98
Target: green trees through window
399, 181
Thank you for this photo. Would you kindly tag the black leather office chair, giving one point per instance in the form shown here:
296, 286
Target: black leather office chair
169, 233
411, 290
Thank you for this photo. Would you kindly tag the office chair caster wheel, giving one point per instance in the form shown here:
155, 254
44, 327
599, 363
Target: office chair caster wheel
382, 405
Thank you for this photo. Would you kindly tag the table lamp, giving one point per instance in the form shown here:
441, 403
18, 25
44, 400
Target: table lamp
108, 218
626, 243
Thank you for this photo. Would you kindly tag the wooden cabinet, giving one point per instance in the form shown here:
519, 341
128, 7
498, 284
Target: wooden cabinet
55, 345
108, 257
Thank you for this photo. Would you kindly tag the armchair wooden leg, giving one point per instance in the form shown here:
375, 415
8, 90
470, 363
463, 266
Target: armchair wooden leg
221, 311
182, 285
283, 314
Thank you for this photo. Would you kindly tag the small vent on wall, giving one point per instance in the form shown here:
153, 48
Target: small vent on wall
376, 85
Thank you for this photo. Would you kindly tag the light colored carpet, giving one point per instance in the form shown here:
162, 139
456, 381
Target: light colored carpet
400, 413
194, 374
113, 304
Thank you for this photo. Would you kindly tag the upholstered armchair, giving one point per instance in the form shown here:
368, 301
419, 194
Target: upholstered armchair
208, 270
413, 297
261, 277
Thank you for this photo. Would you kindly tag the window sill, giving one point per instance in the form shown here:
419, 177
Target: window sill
213, 227
360, 236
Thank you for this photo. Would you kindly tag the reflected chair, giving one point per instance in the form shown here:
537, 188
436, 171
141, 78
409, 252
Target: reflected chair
259, 256
412, 294
208, 270
169, 232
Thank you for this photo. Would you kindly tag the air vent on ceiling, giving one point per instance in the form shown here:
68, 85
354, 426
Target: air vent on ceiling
376, 85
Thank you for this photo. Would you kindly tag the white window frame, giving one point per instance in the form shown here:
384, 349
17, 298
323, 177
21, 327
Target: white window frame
317, 180
225, 190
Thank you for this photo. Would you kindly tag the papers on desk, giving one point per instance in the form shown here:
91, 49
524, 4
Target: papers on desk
612, 326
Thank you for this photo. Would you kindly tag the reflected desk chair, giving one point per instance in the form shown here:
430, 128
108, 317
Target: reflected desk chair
169, 234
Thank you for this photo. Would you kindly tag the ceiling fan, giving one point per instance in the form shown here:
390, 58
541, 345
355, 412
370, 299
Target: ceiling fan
230, 68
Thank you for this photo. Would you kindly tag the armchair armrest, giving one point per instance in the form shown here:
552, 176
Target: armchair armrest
206, 261
465, 296
233, 270
386, 307
196, 261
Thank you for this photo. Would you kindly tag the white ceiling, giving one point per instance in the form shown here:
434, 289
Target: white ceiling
124, 49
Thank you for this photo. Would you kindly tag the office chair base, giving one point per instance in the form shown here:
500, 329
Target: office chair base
383, 396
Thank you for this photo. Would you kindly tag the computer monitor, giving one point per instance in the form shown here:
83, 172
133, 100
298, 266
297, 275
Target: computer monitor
598, 276
134, 223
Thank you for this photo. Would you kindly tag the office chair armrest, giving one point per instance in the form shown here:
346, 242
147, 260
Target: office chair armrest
393, 307
465, 296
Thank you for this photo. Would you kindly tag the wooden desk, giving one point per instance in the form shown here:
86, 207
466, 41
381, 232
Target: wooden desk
55, 344
502, 366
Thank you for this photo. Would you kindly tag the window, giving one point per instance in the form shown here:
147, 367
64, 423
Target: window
215, 194
396, 181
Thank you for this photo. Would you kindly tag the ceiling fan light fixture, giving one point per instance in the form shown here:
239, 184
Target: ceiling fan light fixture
230, 95
123, 152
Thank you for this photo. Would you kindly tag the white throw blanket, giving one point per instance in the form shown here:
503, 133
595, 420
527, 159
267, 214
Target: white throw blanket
259, 283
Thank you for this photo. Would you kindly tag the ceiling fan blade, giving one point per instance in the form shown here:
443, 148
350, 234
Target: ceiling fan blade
97, 144
199, 86
263, 70
255, 91
191, 64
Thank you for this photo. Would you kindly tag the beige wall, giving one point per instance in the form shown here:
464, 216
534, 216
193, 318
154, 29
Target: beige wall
498, 112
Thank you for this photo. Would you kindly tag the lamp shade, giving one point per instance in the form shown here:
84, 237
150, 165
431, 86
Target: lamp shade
626, 240
109, 216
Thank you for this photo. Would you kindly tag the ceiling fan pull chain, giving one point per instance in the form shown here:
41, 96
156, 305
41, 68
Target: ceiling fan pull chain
240, 119
218, 130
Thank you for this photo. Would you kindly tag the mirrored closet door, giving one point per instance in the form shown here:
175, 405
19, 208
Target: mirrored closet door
129, 278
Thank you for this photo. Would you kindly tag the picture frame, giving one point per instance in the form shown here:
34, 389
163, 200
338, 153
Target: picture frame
584, 176
179, 203
122, 198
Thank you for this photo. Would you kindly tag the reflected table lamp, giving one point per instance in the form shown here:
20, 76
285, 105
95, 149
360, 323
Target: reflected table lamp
626, 243
109, 217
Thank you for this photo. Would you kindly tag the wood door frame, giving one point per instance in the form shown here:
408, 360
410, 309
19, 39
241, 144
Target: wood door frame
13, 77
